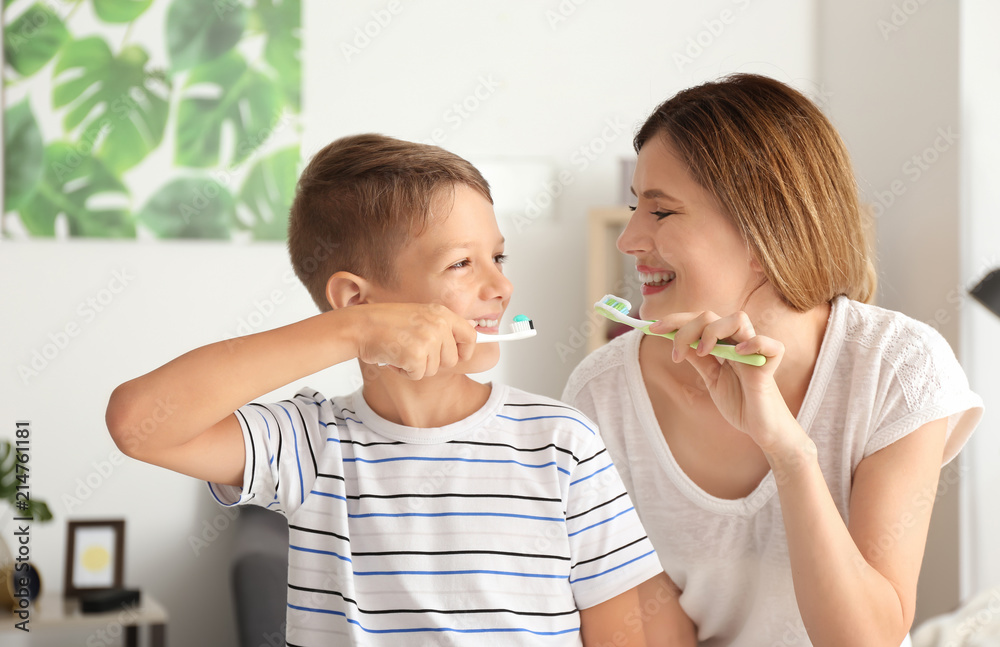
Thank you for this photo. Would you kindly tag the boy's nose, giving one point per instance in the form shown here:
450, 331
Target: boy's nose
497, 285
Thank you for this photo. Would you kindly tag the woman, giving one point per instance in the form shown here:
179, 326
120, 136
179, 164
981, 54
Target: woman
790, 502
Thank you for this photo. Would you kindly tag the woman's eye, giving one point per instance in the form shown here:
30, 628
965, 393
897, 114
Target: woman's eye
659, 214
459, 265
500, 258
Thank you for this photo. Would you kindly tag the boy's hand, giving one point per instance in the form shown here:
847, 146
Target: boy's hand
415, 338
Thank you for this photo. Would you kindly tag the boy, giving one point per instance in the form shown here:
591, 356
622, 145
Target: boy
426, 506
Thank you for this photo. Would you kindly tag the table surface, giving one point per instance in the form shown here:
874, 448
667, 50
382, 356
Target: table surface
51, 609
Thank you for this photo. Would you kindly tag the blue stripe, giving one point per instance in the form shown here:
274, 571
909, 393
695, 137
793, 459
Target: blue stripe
321, 552
459, 460
295, 437
590, 577
545, 576
600, 522
332, 496
453, 514
433, 629
546, 418
266, 424
211, 488
608, 466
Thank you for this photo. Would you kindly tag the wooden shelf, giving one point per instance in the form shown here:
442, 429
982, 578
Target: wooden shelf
605, 272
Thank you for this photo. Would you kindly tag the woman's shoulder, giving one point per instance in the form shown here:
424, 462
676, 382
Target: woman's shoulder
916, 374
902, 354
607, 361
896, 336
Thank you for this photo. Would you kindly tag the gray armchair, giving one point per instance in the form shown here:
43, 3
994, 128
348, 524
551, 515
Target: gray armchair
259, 575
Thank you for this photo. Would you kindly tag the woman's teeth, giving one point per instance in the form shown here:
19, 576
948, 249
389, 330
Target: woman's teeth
487, 323
656, 279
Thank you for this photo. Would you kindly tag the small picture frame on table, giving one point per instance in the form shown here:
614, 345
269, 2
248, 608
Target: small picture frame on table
95, 556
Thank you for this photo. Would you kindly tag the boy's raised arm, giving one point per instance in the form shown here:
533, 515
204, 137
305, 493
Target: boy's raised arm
180, 416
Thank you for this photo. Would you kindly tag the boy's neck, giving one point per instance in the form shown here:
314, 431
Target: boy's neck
431, 402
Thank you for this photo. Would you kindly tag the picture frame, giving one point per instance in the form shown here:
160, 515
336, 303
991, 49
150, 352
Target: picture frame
95, 556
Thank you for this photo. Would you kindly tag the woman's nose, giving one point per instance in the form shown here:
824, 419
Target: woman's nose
635, 238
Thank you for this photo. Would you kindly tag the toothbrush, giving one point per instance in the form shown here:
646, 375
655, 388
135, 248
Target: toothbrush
522, 328
617, 309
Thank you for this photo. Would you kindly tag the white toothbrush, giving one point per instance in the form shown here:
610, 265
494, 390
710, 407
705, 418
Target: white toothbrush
522, 328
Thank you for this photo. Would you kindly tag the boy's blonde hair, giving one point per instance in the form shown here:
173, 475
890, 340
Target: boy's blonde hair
360, 199
779, 169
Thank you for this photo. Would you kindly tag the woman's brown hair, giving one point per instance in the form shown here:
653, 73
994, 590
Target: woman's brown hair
360, 199
780, 170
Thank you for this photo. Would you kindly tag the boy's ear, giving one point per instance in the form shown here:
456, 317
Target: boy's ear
345, 289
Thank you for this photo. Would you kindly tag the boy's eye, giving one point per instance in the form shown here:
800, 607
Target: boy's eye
465, 262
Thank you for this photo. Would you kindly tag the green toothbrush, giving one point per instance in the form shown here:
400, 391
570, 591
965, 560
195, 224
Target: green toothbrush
617, 309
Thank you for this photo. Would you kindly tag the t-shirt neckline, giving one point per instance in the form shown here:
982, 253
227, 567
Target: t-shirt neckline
765, 490
430, 435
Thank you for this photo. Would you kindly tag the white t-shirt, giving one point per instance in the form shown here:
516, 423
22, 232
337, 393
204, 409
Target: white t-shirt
879, 376
493, 530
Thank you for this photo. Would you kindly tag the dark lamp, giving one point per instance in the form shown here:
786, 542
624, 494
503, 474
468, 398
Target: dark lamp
987, 292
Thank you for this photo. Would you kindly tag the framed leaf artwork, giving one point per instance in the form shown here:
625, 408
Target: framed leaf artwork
150, 119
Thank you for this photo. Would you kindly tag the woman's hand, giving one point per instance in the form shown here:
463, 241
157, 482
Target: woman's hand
747, 396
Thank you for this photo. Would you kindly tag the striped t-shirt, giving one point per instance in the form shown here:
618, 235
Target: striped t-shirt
493, 530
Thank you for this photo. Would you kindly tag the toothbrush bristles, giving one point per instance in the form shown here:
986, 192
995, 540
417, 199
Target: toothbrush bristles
521, 323
619, 304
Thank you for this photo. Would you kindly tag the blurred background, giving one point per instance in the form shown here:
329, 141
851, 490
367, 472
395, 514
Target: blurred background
152, 146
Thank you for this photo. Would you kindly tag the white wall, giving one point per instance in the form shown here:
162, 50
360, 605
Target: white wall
558, 85
891, 72
980, 238
563, 71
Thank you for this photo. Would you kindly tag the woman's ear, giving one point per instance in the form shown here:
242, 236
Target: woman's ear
345, 289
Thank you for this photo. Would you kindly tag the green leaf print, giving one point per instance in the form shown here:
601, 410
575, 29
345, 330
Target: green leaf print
267, 195
199, 31
32, 39
81, 187
23, 153
194, 207
221, 92
114, 98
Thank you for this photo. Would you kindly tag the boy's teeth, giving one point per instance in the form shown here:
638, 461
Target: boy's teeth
656, 278
487, 323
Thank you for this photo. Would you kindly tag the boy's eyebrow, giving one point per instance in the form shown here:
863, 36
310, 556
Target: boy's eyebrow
652, 194
441, 250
